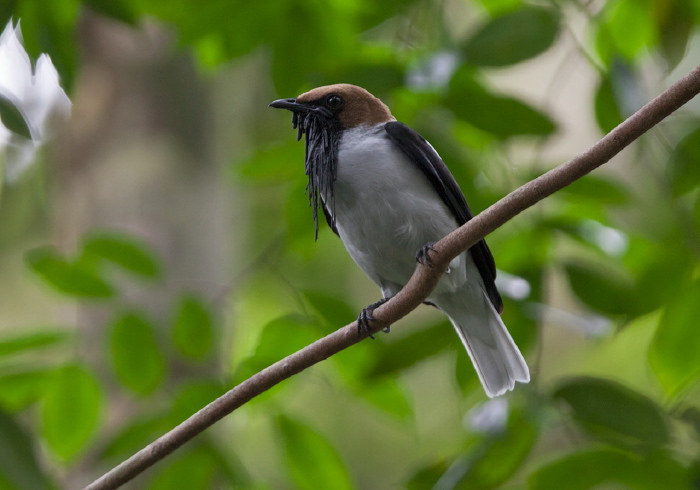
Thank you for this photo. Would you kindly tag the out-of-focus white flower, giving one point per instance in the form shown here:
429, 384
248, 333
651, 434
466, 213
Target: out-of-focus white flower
35, 93
514, 287
609, 240
588, 324
434, 72
489, 417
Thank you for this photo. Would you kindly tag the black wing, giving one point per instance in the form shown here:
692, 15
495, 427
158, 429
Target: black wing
329, 219
426, 158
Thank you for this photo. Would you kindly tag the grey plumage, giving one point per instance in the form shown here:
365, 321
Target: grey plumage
385, 211
391, 195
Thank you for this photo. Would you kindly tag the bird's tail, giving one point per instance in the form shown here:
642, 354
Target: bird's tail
496, 358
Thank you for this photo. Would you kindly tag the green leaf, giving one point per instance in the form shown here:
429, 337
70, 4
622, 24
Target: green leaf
427, 476
504, 117
614, 412
192, 469
336, 312
662, 270
71, 410
627, 28
298, 221
378, 78
606, 289
597, 189
520, 316
19, 466
683, 169
123, 250
281, 337
193, 329
496, 7
407, 351
676, 24
607, 109
192, 397
136, 358
18, 390
513, 37
465, 374
584, 470
280, 162
116, 9
12, 118
7, 10
324, 37
135, 435
528, 245
304, 449
674, 355
499, 456
50, 28
691, 416
71, 278
386, 393
33, 341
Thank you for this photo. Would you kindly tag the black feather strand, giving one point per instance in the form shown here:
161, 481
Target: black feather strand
320, 159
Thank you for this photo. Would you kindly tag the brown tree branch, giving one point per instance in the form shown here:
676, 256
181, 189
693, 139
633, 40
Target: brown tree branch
421, 283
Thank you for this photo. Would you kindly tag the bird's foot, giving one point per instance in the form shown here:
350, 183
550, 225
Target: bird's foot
366, 316
423, 255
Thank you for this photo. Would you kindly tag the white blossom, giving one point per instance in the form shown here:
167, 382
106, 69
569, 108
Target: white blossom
489, 417
36, 94
434, 72
514, 287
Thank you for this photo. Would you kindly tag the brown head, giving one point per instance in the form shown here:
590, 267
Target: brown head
351, 105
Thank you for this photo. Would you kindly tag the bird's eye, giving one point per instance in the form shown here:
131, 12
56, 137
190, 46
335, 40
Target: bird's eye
334, 102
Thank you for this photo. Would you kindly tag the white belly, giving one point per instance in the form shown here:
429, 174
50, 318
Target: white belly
386, 210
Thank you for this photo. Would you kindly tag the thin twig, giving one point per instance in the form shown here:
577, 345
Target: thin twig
420, 285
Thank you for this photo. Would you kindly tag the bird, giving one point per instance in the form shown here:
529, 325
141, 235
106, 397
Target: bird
388, 195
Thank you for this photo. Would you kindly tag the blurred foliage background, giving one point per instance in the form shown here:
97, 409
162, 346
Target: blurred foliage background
162, 249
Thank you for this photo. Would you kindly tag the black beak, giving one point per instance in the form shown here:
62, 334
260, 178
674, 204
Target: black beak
302, 108
290, 104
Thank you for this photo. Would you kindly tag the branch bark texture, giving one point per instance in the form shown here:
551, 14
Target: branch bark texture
421, 284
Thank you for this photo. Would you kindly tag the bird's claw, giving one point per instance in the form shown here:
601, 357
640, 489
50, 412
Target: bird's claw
423, 255
366, 316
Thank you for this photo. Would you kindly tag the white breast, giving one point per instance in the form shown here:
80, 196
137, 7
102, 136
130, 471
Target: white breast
386, 209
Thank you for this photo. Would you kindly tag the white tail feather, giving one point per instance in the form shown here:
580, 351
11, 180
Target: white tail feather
496, 358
